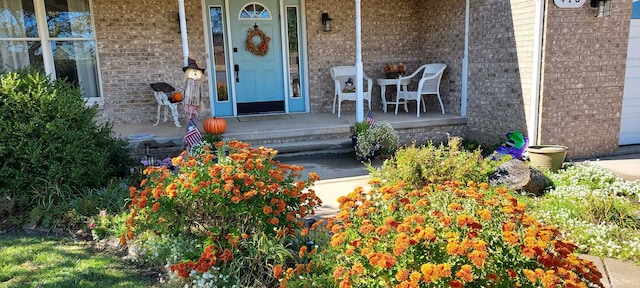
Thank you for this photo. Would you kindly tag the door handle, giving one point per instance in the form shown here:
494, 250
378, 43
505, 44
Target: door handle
236, 68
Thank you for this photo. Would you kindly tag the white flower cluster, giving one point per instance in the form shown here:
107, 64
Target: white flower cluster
592, 187
596, 177
166, 249
603, 239
381, 138
198, 149
210, 279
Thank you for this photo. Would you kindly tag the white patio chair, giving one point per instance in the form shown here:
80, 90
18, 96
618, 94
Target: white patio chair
161, 92
429, 84
340, 75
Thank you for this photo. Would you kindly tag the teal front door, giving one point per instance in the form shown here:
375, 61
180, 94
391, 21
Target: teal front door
253, 71
257, 72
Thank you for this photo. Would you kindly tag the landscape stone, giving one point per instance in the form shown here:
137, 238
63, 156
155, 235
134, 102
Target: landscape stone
517, 175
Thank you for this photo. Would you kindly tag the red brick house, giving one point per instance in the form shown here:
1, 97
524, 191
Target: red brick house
556, 74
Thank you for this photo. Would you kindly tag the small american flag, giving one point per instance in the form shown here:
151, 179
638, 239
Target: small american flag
370, 118
193, 136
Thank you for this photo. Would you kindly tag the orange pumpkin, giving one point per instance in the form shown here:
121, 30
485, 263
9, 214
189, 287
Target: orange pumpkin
215, 125
176, 97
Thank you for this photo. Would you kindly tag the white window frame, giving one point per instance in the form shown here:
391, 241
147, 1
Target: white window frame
47, 53
254, 18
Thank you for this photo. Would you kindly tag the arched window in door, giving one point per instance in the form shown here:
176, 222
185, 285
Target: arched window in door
254, 10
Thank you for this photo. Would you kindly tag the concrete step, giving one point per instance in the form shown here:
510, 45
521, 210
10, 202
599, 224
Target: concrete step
316, 149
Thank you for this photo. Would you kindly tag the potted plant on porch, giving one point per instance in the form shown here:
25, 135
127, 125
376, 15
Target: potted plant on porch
377, 140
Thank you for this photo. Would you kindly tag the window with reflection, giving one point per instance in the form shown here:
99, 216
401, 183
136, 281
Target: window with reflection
254, 11
219, 53
293, 49
70, 47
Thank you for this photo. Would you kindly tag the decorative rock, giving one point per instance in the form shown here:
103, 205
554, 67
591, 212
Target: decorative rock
519, 176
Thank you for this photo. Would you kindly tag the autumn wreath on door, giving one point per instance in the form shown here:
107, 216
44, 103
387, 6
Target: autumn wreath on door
262, 47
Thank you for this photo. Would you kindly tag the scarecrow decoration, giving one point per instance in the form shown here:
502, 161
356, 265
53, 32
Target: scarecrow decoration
193, 75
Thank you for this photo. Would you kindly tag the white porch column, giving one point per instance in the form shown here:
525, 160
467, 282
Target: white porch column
359, 70
465, 64
183, 32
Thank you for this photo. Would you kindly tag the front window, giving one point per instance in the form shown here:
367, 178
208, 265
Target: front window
55, 36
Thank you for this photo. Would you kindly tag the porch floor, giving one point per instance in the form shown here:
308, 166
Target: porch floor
288, 133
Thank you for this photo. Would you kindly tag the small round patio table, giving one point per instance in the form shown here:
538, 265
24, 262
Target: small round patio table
384, 82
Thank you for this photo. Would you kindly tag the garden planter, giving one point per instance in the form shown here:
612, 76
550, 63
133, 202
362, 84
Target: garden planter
547, 157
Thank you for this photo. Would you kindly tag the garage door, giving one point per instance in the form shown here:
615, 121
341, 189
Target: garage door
630, 126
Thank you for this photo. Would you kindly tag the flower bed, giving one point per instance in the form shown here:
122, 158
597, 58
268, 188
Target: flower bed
239, 209
451, 234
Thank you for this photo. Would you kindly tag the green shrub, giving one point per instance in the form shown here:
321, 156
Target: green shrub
49, 139
212, 138
359, 127
419, 166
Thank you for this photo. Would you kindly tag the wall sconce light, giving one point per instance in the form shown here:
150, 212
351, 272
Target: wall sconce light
604, 7
326, 22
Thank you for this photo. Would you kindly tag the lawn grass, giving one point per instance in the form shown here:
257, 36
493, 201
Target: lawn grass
44, 261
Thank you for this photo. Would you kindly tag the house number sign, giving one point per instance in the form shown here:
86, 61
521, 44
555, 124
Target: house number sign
569, 3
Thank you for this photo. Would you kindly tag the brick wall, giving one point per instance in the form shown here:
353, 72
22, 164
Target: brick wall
500, 70
582, 74
583, 78
139, 43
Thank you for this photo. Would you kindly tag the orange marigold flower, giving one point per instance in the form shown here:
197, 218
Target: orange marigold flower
350, 251
277, 271
464, 220
155, 207
337, 273
382, 231
455, 284
444, 270
274, 221
337, 239
445, 221
402, 275
453, 247
511, 273
531, 275
344, 283
484, 214
367, 228
267, 210
357, 269
427, 270
455, 206
403, 227
508, 226
303, 250
465, 273
477, 257
356, 242
415, 276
